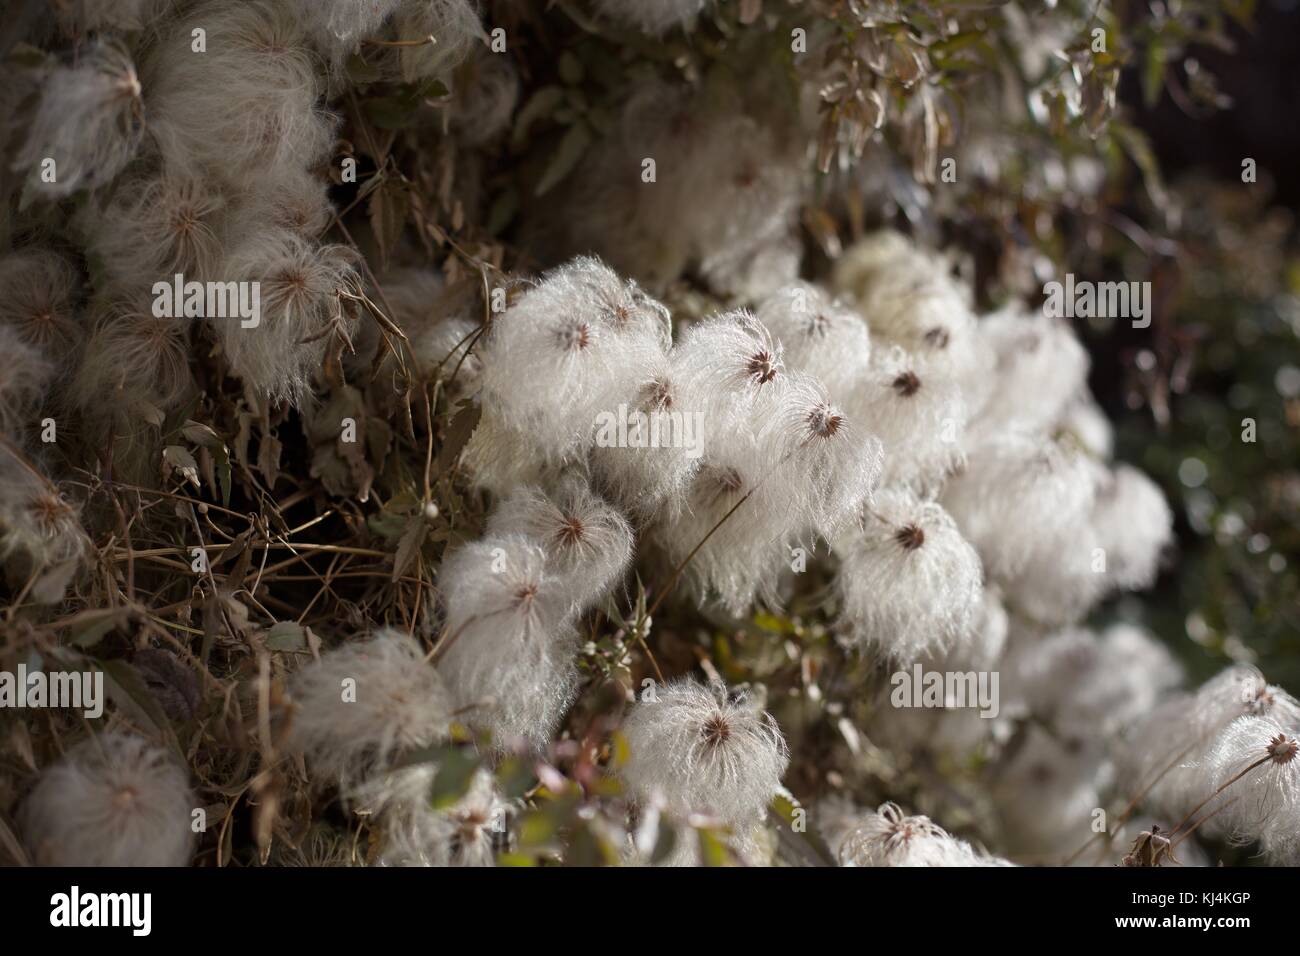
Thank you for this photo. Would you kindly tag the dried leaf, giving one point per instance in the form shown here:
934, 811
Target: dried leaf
181, 461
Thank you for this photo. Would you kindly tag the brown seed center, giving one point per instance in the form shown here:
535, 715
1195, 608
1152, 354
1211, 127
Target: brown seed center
716, 730
575, 337
907, 384
825, 421
910, 537
762, 366
1282, 749
571, 530
937, 338
524, 596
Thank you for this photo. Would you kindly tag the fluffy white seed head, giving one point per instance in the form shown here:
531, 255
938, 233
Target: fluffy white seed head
455, 24
734, 370
247, 106
500, 584
955, 731
284, 197
38, 291
133, 359
581, 341
501, 458
1088, 685
819, 454
486, 91
364, 704
442, 337
649, 470
89, 122
154, 227
1256, 763
337, 27
704, 749
1085, 422
41, 537
1062, 582
588, 544
919, 417
739, 207
1167, 749
1045, 794
910, 299
1243, 691
447, 349
416, 833
24, 376
113, 800
836, 816
744, 528
819, 335
301, 306
1134, 524
1117, 546
1280, 840
511, 653
1035, 355
866, 264
728, 215
1019, 500
909, 583
889, 837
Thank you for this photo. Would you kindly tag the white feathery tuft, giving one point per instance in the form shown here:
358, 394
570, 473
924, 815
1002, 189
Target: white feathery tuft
363, 704
919, 417
588, 544
889, 837
115, 799
510, 651
704, 749
909, 583
90, 121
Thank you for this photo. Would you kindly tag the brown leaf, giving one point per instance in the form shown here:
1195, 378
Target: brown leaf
409, 546
389, 206
458, 435
268, 458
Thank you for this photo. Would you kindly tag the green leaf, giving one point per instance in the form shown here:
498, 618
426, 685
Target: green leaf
536, 829
26, 56
202, 435
361, 72
515, 777
502, 212
542, 103
388, 524
713, 851
570, 68
456, 769
1153, 74
125, 683
957, 41
394, 111
565, 157
286, 636
86, 629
